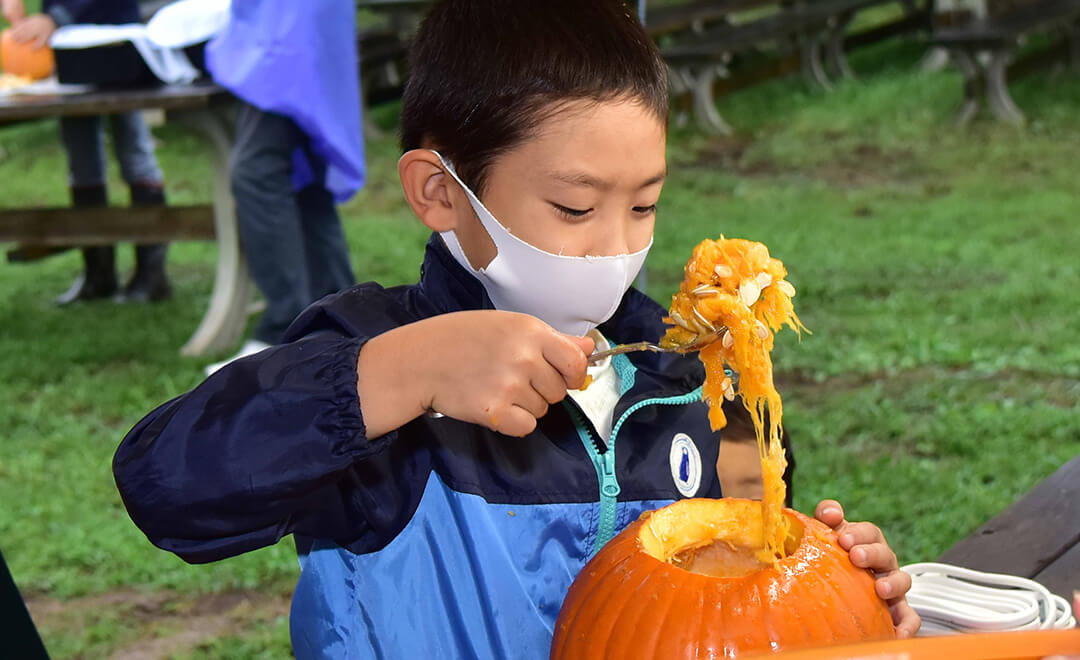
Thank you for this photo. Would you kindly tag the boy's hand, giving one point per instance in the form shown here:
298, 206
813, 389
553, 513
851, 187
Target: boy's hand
501, 370
35, 29
12, 10
497, 369
867, 548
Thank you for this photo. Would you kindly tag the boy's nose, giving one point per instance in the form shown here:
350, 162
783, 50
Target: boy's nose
617, 237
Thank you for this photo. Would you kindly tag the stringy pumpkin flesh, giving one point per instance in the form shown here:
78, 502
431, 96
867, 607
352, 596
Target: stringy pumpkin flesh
734, 284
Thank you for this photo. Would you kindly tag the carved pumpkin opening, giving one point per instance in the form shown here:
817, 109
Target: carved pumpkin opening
703, 536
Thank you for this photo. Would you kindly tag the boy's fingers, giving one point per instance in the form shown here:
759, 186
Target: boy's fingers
586, 344
905, 618
549, 384
515, 421
567, 355
829, 512
878, 557
895, 584
852, 534
532, 402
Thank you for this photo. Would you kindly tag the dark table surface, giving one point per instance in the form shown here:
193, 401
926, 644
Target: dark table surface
1038, 537
15, 108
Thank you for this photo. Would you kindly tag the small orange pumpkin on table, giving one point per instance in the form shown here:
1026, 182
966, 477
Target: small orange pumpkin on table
24, 59
707, 578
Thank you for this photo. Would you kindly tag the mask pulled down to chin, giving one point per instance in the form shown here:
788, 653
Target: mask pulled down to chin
571, 294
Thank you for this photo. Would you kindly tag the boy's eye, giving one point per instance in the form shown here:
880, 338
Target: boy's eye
645, 210
573, 213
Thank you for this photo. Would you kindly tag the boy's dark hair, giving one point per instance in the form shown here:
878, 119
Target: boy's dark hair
486, 73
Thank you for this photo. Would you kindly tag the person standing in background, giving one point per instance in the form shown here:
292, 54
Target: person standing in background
84, 144
299, 148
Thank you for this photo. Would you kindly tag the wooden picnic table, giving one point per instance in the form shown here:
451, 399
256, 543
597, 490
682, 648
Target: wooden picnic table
1038, 537
202, 106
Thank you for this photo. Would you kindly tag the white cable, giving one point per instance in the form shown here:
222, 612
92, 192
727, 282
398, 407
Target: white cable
952, 599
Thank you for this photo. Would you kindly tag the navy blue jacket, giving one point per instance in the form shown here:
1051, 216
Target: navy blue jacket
101, 12
440, 539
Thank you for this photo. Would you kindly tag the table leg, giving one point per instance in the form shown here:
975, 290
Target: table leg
226, 316
973, 84
997, 89
1073, 38
681, 85
705, 112
812, 66
837, 58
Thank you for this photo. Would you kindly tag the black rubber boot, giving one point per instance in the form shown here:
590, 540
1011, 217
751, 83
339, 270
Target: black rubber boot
98, 279
149, 281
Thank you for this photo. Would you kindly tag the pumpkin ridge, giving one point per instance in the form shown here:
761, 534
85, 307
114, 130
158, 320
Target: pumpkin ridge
600, 584
844, 593
599, 643
664, 599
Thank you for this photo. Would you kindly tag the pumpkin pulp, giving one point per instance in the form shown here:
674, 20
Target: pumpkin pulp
734, 284
712, 537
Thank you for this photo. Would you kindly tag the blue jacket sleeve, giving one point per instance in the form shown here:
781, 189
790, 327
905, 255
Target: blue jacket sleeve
259, 450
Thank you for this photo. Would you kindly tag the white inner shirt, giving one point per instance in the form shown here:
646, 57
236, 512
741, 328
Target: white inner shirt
598, 400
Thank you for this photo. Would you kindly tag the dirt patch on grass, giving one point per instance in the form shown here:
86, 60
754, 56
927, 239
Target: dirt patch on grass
860, 166
161, 624
1023, 385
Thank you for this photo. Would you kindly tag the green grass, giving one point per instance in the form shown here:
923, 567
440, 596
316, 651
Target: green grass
936, 268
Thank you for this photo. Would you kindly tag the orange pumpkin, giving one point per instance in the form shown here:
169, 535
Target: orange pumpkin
23, 59
685, 582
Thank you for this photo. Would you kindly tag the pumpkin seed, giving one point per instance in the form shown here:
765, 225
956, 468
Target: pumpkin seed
749, 292
723, 271
704, 321
680, 321
786, 288
761, 330
728, 389
705, 290
728, 340
763, 280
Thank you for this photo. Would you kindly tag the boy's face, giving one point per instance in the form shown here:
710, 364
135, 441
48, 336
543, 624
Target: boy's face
586, 184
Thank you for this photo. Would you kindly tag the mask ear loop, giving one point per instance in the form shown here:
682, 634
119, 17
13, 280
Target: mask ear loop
482, 212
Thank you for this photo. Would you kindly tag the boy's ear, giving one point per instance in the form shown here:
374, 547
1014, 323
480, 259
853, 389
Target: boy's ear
429, 190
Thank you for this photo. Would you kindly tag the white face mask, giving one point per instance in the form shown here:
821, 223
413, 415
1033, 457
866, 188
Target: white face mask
571, 294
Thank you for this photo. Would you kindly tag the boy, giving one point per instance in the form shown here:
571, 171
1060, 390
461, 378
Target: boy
534, 137
84, 146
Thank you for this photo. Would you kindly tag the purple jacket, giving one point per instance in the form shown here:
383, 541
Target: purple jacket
299, 59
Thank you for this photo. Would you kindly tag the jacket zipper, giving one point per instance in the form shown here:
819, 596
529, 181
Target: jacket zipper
604, 461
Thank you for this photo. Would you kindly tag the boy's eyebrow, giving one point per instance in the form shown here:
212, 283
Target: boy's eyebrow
589, 181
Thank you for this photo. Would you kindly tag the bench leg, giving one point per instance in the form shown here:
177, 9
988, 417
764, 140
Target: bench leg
679, 79
973, 85
1073, 39
705, 112
997, 89
812, 66
837, 57
226, 316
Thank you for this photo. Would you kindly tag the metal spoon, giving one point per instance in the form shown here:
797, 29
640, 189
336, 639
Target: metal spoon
699, 343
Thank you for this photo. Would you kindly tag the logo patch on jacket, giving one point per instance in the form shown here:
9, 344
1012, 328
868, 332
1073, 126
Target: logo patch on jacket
685, 461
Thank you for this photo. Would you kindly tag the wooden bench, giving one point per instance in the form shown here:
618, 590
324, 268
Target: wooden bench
1038, 537
204, 107
984, 49
383, 49
812, 34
